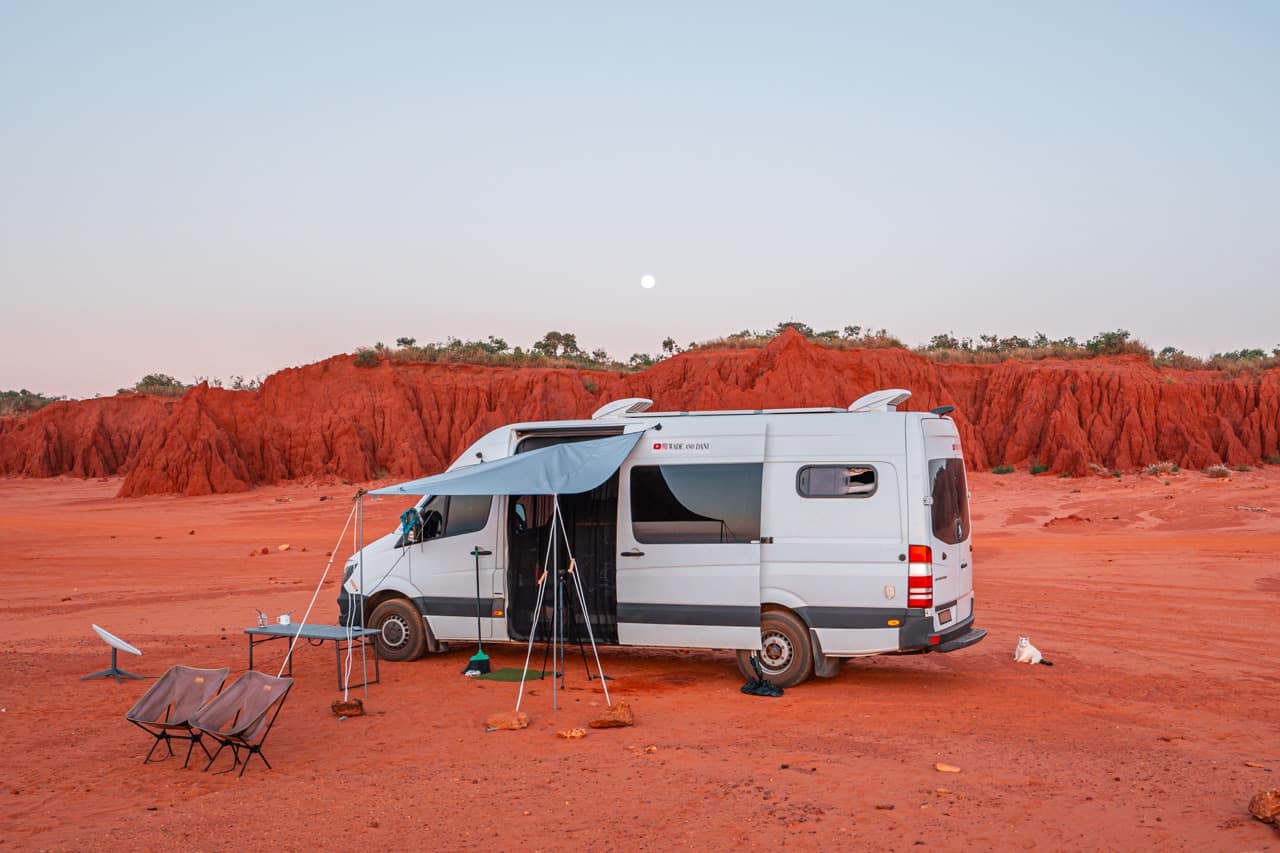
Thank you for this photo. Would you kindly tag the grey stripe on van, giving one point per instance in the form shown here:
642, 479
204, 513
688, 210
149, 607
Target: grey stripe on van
718, 615
854, 617
451, 606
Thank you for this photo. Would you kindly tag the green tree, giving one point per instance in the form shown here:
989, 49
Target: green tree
558, 345
946, 341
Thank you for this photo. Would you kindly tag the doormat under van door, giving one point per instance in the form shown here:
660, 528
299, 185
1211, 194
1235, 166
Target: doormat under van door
511, 673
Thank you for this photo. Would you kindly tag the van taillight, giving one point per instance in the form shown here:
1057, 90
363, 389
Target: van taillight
920, 576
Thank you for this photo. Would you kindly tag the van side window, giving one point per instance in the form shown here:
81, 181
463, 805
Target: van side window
448, 516
467, 514
691, 504
836, 481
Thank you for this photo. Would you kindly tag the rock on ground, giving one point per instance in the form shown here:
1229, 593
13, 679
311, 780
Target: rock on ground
1265, 806
617, 716
507, 721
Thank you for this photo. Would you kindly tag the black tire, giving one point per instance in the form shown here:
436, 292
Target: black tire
402, 635
786, 655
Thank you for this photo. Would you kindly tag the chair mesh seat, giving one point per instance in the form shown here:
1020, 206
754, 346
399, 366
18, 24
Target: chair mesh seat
165, 710
241, 716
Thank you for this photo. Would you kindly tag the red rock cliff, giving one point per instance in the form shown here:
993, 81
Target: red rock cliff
333, 419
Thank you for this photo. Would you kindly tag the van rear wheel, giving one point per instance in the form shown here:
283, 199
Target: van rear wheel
785, 656
402, 635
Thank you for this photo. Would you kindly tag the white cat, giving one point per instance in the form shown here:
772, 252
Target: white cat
1027, 653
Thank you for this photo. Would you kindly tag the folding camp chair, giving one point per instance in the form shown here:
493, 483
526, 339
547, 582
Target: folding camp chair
241, 716
165, 710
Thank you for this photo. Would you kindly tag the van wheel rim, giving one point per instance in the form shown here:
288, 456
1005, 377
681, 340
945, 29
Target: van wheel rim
776, 652
395, 632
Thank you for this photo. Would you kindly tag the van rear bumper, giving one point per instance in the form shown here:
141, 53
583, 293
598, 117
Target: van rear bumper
968, 638
917, 635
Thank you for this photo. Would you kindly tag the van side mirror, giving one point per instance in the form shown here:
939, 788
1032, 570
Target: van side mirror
410, 525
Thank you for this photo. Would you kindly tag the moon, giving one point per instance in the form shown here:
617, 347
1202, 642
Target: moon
648, 282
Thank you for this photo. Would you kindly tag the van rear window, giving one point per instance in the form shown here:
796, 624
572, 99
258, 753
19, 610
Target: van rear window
950, 500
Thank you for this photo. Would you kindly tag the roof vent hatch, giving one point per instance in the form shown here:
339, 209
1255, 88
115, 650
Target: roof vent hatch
885, 400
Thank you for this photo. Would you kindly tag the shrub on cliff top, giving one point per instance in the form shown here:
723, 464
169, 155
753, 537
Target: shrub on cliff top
850, 337
1176, 358
555, 349
561, 349
21, 402
159, 384
365, 357
1118, 342
1243, 360
992, 348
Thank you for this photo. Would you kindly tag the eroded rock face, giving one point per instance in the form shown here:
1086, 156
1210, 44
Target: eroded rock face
335, 420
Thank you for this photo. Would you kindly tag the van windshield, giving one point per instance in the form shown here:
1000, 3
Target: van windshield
950, 500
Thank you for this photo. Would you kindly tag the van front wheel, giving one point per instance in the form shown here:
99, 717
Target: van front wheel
785, 656
402, 635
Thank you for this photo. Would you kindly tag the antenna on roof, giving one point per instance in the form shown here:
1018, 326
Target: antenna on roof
629, 406
885, 400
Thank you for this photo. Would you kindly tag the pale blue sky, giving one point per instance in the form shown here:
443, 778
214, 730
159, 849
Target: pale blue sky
233, 188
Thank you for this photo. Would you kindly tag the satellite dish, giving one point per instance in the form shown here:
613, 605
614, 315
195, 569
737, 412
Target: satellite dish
115, 642
886, 400
117, 645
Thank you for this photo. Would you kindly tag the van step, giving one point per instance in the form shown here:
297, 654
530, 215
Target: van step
963, 641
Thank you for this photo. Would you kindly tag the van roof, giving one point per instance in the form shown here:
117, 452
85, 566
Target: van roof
722, 412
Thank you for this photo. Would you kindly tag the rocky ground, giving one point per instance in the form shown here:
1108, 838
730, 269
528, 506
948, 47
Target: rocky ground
1155, 597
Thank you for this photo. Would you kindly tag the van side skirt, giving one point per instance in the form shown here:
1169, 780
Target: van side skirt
717, 615
439, 605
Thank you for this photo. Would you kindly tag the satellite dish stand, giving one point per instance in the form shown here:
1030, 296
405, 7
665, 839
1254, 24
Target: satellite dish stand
117, 645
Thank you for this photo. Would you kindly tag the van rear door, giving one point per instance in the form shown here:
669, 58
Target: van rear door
947, 493
689, 539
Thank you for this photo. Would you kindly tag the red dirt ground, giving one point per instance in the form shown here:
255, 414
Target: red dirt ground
1157, 603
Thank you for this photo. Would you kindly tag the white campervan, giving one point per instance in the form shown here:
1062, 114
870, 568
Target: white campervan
799, 536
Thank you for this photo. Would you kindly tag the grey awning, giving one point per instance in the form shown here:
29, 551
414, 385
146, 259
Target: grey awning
561, 469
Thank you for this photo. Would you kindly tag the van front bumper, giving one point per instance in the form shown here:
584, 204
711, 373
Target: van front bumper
346, 603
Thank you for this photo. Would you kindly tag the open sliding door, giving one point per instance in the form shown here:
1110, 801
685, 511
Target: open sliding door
689, 538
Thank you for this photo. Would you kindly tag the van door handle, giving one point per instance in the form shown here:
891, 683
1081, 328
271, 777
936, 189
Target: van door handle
634, 552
